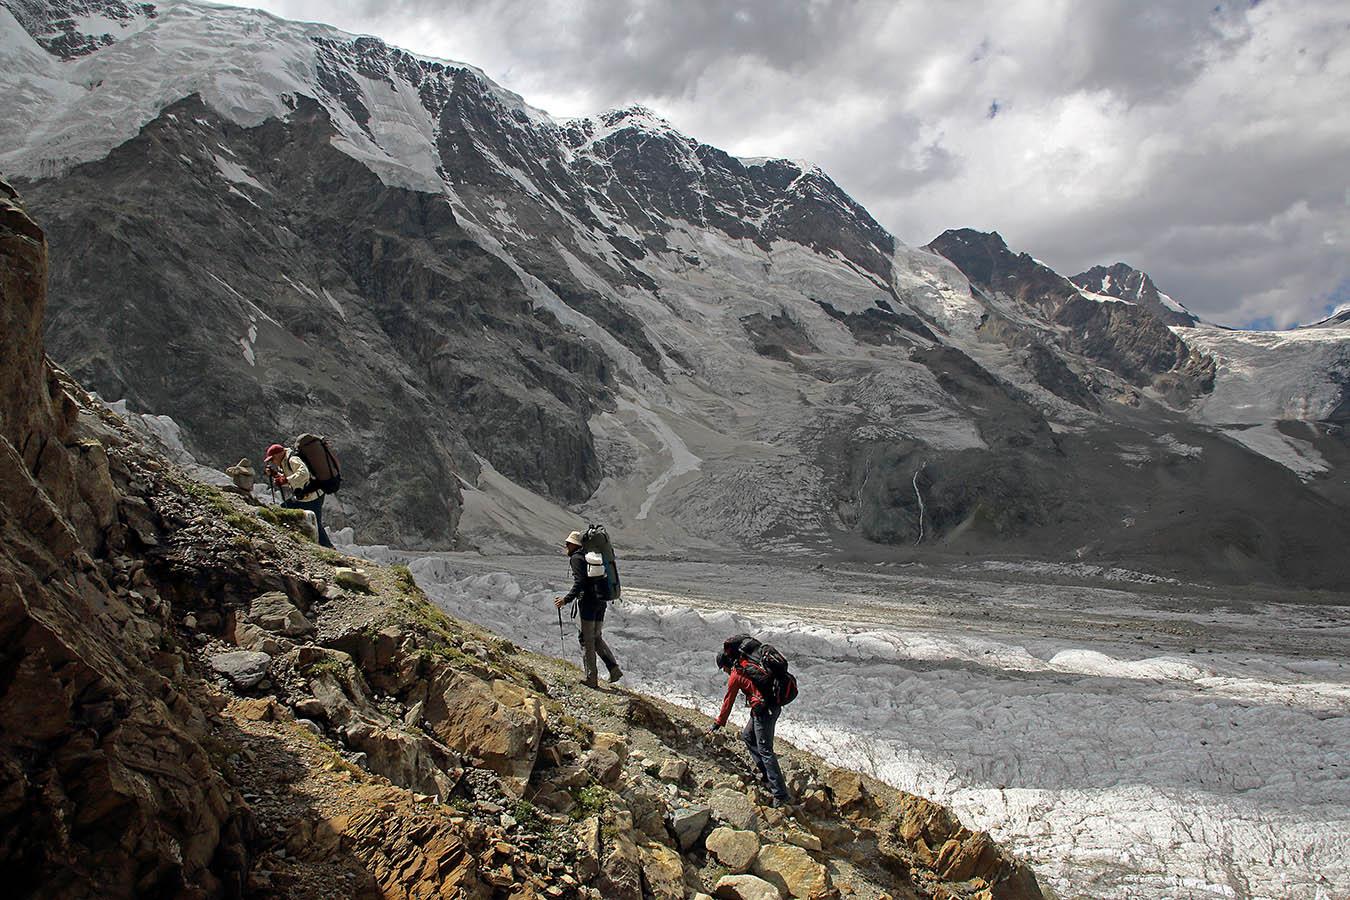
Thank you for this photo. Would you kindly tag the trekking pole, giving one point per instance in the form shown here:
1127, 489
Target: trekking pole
561, 639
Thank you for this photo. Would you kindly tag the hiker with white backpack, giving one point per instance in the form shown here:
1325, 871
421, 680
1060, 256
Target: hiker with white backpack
591, 588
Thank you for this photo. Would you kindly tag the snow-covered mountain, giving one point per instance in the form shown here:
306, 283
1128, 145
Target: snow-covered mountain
510, 322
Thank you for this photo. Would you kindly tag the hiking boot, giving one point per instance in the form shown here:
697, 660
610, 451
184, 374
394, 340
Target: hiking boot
591, 683
615, 674
780, 802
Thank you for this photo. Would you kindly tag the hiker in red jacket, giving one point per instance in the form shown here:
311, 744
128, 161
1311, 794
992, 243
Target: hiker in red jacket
758, 732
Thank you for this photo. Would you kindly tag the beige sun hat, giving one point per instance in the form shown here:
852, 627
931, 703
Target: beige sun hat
574, 538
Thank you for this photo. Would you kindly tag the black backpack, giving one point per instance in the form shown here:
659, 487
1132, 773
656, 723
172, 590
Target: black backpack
596, 540
764, 666
322, 463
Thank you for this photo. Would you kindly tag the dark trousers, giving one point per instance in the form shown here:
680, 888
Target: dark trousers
758, 737
592, 641
315, 506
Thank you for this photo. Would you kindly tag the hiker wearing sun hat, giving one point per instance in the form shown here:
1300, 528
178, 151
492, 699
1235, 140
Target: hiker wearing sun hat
592, 593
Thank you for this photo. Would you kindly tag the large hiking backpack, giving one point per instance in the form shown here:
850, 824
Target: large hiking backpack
321, 462
765, 666
595, 542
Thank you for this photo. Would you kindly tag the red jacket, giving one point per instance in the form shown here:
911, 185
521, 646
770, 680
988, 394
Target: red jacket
737, 682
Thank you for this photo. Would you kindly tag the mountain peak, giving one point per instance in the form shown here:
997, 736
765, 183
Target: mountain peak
1124, 282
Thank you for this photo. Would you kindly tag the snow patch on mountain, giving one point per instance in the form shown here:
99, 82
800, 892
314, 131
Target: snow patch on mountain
1264, 376
246, 64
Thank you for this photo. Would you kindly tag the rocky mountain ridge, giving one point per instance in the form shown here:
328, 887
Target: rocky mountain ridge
201, 702
508, 321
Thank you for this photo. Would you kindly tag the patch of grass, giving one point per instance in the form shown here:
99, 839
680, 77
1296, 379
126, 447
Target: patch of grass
403, 576
288, 519
244, 522
421, 612
199, 490
332, 557
327, 664
212, 496
352, 583
527, 816
590, 800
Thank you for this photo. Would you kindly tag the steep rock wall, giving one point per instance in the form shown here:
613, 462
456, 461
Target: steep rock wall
107, 792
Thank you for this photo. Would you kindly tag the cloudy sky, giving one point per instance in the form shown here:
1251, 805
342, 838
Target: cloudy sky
1207, 143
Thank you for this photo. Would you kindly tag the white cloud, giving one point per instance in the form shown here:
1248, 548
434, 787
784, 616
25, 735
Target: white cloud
1206, 143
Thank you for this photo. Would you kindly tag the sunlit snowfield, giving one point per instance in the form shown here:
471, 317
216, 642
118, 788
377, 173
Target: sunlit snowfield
1130, 740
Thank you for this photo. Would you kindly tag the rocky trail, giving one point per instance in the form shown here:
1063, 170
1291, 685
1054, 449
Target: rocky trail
389, 750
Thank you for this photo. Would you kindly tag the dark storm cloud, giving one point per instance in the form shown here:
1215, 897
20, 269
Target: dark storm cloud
651, 47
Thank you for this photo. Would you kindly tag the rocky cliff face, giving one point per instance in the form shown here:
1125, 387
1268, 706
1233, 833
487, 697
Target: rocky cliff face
1129, 339
200, 702
1127, 283
109, 789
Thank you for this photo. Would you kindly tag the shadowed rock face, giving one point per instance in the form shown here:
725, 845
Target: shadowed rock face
333, 305
108, 794
1129, 339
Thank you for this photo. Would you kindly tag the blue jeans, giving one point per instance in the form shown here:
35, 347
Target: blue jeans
315, 506
758, 737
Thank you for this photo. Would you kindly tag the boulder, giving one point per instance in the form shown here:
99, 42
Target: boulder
615, 743
275, 612
621, 869
495, 722
731, 807
589, 848
568, 777
792, 869
662, 872
850, 794
745, 887
688, 824
407, 760
673, 770
260, 710
243, 667
248, 636
806, 840
329, 691
604, 765
961, 860
832, 834
349, 577
733, 848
